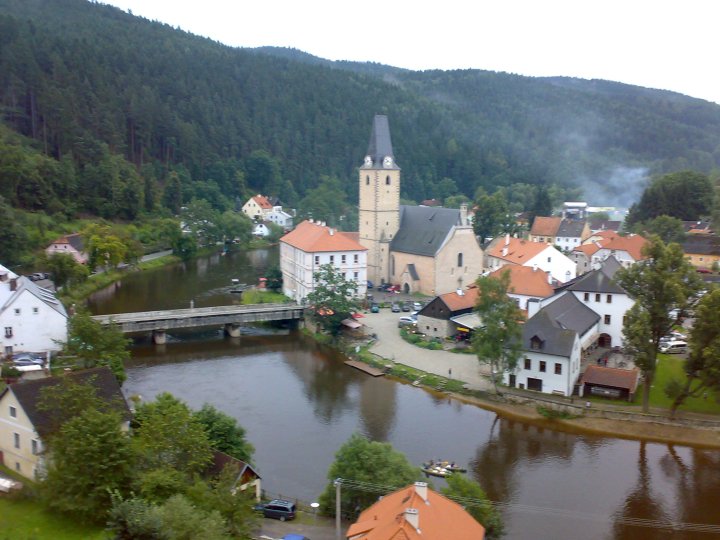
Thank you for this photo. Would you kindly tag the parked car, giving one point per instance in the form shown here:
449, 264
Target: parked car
37, 276
414, 315
395, 307
370, 284
406, 321
417, 306
374, 308
673, 347
394, 288
27, 359
407, 306
277, 509
294, 537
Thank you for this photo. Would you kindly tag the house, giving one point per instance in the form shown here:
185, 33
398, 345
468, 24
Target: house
552, 343
571, 233
599, 225
32, 318
71, 244
508, 250
703, 251
574, 210
544, 229
313, 244
425, 249
23, 425
697, 227
261, 229
526, 283
246, 478
626, 249
609, 382
257, 207
281, 218
435, 319
415, 512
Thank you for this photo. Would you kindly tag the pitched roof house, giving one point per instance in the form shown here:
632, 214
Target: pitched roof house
702, 250
526, 283
436, 317
32, 318
415, 513
508, 250
71, 244
246, 478
626, 249
544, 229
23, 424
257, 207
311, 245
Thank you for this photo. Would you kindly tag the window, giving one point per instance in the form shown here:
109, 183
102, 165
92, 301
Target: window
8, 331
355, 258
13, 412
332, 259
558, 369
542, 366
16, 440
367, 180
586, 297
460, 259
35, 447
36, 311
607, 319
17, 311
387, 180
317, 259
528, 363
343, 259
609, 298
355, 276
549, 259
597, 297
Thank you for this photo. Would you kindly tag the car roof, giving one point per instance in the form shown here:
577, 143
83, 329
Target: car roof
281, 501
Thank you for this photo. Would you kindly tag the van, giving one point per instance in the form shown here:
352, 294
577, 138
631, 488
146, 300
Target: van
673, 347
278, 509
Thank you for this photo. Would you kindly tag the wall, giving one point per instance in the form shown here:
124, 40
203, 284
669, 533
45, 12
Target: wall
32, 331
448, 276
21, 460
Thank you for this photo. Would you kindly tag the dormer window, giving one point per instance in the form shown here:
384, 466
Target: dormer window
536, 343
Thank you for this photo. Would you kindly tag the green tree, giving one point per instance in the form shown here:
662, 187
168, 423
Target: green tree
202, 221
327, 202
91, 457
333, 298
12, 235
372, 462
134, 519
274, 278
702, 367
492, 216
234, 226
663, 282
181, 520
95, 345
185, 246
498, 341
65, 269
542, 205
172, 194
669, 229
224, 433
471, 496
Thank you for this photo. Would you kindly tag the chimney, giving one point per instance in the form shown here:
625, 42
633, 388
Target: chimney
331, 231
3, 277
507, 239
13, 284
412, 517
533, 306
421, 489
463, 214
459, 292
504, 251
311, 220
535, 267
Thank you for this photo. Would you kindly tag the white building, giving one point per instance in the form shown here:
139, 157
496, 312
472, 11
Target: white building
280, 217
260, 229
508, 250
312, 245
257, 207
32, 318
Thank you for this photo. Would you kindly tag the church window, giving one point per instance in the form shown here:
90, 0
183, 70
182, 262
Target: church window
392, 265
460, 259
387, 180
367, 180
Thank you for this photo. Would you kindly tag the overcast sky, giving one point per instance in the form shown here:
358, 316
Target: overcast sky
664, 44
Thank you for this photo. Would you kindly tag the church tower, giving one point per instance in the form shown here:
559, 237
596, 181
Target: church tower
379, 208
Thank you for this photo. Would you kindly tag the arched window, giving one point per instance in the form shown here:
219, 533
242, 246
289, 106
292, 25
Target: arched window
392, 265
367, 180
387, 180
460, 259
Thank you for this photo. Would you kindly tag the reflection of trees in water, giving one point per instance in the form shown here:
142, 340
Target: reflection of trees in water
378, 407
513, 443
640, 504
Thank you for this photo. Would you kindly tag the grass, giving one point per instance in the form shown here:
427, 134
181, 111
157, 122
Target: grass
254, 296
27, 519
669, 367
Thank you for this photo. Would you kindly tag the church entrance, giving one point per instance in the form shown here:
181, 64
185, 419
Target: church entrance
406, 288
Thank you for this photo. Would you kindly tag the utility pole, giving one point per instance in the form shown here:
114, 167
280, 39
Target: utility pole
338, 532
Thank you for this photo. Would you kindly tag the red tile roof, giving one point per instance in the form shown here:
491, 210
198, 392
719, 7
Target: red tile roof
614, 377
262, 202
545, 226
518, 251
526, 280
435, 517
314, 238
456, 302
633, 244
591, 248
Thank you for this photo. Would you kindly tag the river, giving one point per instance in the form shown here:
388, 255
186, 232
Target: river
299, 403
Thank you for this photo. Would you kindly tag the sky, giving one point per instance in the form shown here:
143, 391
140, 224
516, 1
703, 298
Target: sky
670, 45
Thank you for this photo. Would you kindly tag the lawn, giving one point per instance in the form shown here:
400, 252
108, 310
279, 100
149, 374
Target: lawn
25, 519
669, 367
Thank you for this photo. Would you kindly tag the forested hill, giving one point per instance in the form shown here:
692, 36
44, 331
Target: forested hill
108, 113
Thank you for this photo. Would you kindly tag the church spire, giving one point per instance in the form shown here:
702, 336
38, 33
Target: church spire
380, 152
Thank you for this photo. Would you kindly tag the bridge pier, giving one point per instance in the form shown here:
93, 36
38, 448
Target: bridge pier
232, 330
159, 337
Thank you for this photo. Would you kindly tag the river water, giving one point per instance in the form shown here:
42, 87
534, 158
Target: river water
299, 403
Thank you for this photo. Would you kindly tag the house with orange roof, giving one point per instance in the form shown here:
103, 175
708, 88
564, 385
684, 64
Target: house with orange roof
71, 244
582, 255
526, 283
601, 235
415, 512
257, 207
626, 249
313, 244
548, 258
437, 317
544, 229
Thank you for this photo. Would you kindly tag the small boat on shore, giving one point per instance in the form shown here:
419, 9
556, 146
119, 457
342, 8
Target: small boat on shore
441, 468
440, 472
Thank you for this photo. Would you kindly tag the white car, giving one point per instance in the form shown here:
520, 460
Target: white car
405, 321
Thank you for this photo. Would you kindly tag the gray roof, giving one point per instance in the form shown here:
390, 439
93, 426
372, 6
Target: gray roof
610, 266
380, 144
571, 314
702, 244
571, 228
423, 229
596, 281
555, 339
44, 295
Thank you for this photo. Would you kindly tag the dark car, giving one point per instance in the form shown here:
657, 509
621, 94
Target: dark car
407, 306
396, 307
277, 509
370, 284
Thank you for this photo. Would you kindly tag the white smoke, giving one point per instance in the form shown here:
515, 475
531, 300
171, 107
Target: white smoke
620, 188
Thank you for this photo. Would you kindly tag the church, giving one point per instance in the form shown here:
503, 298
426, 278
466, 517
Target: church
426, 250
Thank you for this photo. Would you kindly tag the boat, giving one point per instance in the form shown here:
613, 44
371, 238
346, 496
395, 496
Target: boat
436, 471
442, 468
235, 281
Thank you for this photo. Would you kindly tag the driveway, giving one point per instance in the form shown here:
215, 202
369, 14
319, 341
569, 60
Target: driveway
320, 528
389, 344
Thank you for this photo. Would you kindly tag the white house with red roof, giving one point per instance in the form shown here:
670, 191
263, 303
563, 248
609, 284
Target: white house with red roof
70, 244
627, 250
509, 250
257, 207
526, 283
313, 244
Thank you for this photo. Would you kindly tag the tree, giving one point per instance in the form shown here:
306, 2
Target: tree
372, 462
185, 246
172, 194
492, 216
543, 203
65, 269
181, 520
498, 341
333, 298
669, 229
233, 225
702, 367
12, 235
663, 282
224, 433
95, 345
471, 496
274, 278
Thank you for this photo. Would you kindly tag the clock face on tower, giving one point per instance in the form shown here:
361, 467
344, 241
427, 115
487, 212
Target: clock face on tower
387, 162
368, 161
